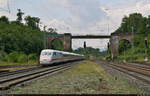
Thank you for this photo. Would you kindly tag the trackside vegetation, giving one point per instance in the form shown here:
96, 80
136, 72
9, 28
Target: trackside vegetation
91, 53
85, 78
22, 42
139, 48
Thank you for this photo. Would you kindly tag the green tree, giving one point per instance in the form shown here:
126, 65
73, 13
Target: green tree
52, 31
19, 15
91, 51
141, 29
135, 20
4, 19
57, 45
18, 37
33, 22
124, 45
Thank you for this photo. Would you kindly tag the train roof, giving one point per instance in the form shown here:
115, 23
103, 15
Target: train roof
51, 50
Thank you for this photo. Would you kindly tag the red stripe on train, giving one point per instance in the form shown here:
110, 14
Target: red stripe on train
60, 58
45, 61
56, 59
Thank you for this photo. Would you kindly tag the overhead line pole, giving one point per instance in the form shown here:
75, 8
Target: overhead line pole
44, 37
108, 23
8, 6
132, 42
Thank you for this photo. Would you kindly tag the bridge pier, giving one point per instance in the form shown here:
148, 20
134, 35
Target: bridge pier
65, 38
67, 42
114, 42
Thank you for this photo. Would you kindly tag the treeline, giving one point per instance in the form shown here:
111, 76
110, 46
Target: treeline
22, 40
18, 37
134, 22
89, 52
139, 48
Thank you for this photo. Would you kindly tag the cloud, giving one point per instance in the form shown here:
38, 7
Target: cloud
116, 14
4, 9
143, 7
90, 16
3, 3
63, 3
80, 16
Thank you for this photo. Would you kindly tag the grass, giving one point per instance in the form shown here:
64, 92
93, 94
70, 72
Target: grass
12, 63
138, 55
86, 78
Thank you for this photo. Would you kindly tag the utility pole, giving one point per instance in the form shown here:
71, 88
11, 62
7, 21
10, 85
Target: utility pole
85, 49
124, 47
44, 37
107, 19
108, 48
8, 6
84, 46
146, 46
108, 24
132, 41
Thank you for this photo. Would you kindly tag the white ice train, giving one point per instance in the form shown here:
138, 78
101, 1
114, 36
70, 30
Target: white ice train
49, 57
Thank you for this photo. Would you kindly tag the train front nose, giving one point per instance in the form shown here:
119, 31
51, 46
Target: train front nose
44, 60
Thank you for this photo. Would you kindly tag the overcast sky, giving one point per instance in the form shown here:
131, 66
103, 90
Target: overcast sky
78, 16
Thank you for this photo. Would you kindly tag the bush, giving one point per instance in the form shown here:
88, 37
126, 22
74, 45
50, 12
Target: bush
6, 58
2, 55
12, 57
16, 57
32, 57
108, 57
22, 58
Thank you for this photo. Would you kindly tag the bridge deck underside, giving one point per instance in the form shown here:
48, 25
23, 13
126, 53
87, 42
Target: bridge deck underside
90, 37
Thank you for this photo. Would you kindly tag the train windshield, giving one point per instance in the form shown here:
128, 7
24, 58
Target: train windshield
45, 53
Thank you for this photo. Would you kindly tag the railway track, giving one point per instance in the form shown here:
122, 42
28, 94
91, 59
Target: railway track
15, 66
135, 75
140, 73
7, 73
139, 66
142, 63
8, 80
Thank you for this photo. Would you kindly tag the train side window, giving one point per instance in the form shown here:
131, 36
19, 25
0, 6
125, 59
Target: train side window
44, 53
49, 53
54, 53
58, 54
61, 55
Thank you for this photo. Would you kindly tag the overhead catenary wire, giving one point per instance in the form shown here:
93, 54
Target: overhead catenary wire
6, 9
8, 5
42, 6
